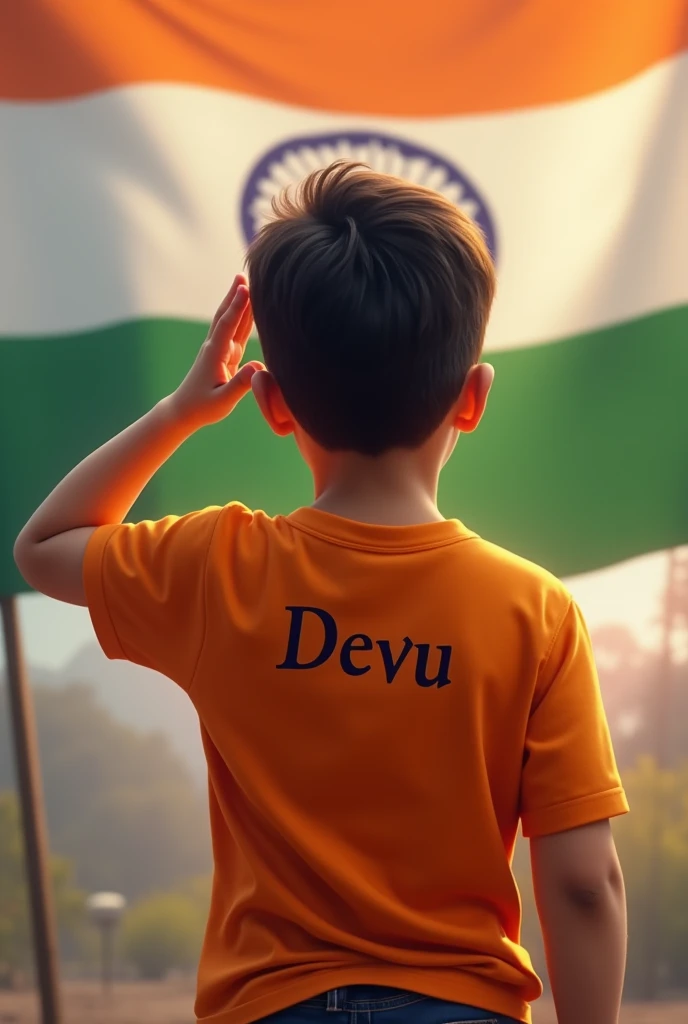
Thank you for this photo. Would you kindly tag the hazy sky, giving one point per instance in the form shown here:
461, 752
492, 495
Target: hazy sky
628, 594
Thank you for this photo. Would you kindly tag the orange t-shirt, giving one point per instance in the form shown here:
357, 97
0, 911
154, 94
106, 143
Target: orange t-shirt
379, 705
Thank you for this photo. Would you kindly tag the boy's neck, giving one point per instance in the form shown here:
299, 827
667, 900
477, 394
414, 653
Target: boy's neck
398, 488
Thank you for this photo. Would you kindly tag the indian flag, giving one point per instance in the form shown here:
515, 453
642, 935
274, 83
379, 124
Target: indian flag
142, 143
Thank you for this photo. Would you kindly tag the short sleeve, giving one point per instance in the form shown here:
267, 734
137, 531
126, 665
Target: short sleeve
145, 590
569, 775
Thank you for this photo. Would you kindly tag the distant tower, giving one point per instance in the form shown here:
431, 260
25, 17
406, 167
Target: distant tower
105, 910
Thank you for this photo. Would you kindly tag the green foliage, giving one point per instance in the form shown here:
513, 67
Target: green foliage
120, 804
164, 932
653, 848
15, 932
198, 890
14, 924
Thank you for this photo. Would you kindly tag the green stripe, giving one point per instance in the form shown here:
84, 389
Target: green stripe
582, 459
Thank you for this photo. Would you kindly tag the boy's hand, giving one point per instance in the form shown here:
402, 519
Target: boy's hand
215, 382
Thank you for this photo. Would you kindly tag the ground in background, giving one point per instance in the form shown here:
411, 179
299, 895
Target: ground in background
171, 1002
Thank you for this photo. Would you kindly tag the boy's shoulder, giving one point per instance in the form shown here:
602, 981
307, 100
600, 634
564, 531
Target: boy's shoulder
515, 583
501, 560
504, 561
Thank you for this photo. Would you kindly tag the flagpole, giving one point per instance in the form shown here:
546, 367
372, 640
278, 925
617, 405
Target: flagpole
33, 817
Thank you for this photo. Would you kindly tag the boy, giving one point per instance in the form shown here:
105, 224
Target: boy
382, 694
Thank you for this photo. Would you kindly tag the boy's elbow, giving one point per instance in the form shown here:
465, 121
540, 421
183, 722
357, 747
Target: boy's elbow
33, 559
579, 867
26, 557
596, 888
21, 552
54, 566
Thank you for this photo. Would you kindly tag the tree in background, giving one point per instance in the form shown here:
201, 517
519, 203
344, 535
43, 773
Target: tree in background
164, 932
626, 670
659, 805
646, 690
651, 738
121, 805
15, 933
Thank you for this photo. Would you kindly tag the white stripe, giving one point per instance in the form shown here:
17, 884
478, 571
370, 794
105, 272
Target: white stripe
125, 204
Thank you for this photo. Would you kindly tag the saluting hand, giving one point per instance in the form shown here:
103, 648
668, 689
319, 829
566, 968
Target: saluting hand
217, 381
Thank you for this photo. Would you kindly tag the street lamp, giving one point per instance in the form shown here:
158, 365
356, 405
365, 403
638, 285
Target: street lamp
105, 910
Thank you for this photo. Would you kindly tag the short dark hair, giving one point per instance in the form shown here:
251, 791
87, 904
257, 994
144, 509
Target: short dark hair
371, 296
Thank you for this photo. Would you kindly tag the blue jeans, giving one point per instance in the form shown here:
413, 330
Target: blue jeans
361, 1004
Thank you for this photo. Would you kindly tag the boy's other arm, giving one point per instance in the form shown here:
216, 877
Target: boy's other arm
50, 549
579, 891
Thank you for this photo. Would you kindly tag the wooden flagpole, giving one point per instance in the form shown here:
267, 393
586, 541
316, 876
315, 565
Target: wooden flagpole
33, 817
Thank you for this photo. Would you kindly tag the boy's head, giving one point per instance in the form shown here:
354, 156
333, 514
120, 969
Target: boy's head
371, 297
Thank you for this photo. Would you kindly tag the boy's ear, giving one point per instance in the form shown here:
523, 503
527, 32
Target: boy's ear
271, 403
471, 403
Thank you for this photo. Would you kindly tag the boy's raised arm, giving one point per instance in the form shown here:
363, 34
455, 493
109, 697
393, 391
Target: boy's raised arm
49, 551
580, 898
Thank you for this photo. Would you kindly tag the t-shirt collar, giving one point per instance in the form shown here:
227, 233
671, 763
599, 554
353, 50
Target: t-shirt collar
351, 533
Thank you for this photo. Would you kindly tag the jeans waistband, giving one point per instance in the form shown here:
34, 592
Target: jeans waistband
364, 998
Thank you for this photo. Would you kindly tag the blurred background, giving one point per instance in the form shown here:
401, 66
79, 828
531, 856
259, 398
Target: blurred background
141, 145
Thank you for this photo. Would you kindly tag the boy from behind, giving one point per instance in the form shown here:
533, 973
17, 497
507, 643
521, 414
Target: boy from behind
383, 695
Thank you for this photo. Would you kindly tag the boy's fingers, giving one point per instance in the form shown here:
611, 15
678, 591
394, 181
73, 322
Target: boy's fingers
230, 393
239, 280
225, 330
242, 378
243, 331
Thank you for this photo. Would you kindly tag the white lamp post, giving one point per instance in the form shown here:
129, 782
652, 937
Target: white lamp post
105, 910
